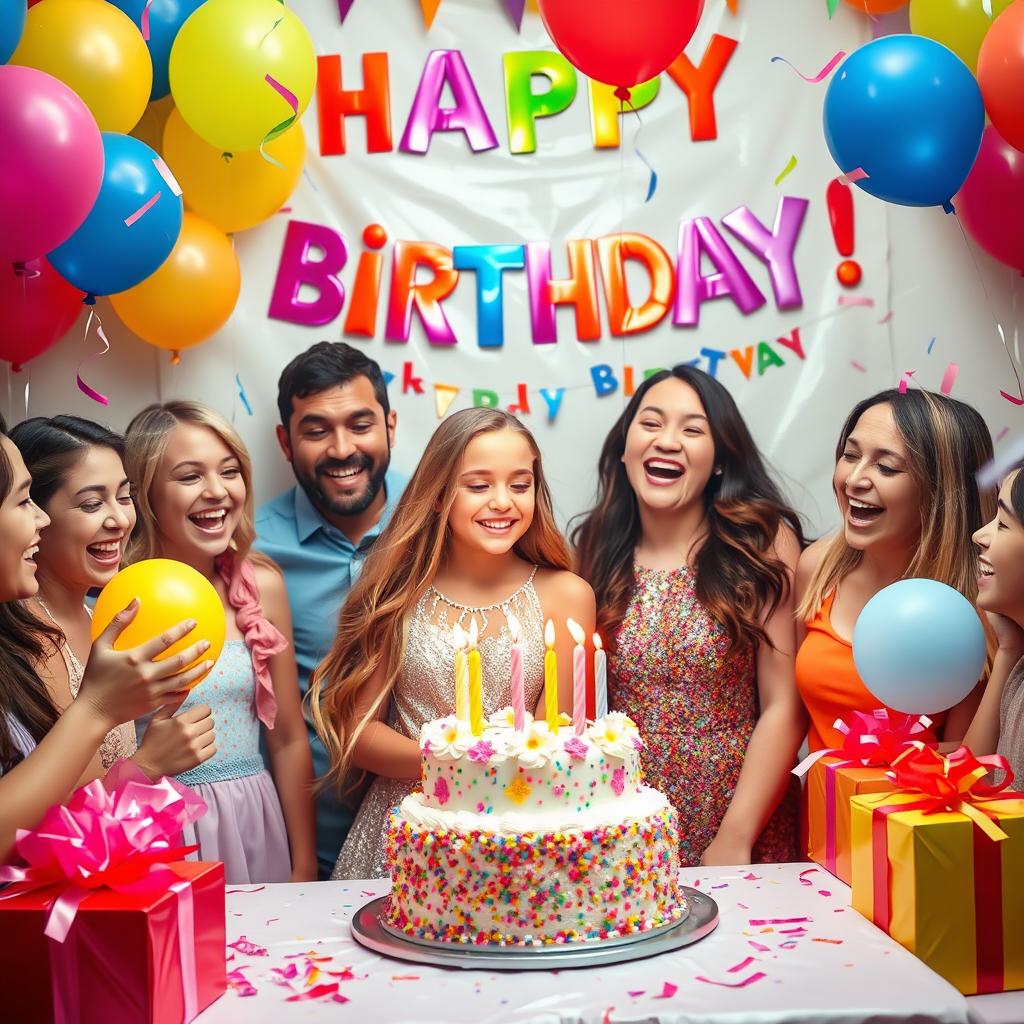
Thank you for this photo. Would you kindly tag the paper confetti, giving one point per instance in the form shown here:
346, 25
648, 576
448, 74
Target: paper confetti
786, 170
824, 892
165, 172
804, 880
636, 993
142, 210
756, 922
821, 75
905, 381
237, 982
243, 945
144, 20
742, 965
244, 399
88, 389
855, 300
857, 174
760, 947
314, 993
668, 990
949, 378
1013, 399
757, 976
931, 345
834, 942
1002, 433
751, 877
259, 888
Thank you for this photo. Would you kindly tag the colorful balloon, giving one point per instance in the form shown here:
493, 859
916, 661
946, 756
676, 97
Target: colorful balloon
959, 24
150, 128
877, 6
95, 49
909, 112
39, 308
165, 19
991, 203
1001, 74
12, 24
169, 592
233, 67
132, 226
47, 129
191, 294
621, 43
239, 191
919, 646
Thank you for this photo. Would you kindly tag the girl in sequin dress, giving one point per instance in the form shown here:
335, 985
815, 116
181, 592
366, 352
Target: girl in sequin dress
691, 550
79, 480
473, 536
194, 494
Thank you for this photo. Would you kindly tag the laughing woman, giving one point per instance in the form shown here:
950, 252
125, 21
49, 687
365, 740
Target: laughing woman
905, 484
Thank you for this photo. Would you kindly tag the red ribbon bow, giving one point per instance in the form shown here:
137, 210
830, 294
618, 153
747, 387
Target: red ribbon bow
880, 737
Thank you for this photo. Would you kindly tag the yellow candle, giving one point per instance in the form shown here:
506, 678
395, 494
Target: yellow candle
476, 689
461, 676
550, 678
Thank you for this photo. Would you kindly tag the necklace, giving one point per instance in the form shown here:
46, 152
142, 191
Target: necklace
76, 670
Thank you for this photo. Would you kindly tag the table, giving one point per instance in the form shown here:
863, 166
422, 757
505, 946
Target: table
830, 966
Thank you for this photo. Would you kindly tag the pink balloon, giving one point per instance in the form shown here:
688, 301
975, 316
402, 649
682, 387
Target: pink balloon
991, 203
51, 164
39, 307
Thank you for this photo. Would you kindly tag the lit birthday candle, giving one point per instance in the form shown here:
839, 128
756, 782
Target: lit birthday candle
579, 678
461, 677
550, 678
516, 678
600, 679
476, 689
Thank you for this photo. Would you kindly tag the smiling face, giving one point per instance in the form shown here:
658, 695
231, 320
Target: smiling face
877, 495
1001, 559
670, 453
20, 525
92, 516
496, 494
197, 494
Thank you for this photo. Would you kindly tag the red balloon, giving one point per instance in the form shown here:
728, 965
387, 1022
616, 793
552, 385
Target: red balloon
39, 307
1001, 74
621, 42
991, 203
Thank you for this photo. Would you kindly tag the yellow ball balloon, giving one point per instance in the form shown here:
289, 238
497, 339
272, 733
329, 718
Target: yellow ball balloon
239, 191
224, 62
190, 295
95, 49
168, 592
960, 25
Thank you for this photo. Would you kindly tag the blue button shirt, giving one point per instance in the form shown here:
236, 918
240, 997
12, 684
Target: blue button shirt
320, 564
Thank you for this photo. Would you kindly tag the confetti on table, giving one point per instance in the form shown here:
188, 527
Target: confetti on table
786, 170
230, 891
851, 177
345, 975
606, 1016
855, 300
949, 378
366, 892
636, 993
314, 993
834, 942
858, 366
724, 885
742, 906
238, 982
751, 877
270, 920
742, 965
824, 892
822, 74
756, 922
668, 990
243, 945
760, 947
804, 880
756, 976
789, 944
793, 931
405, 977
931, 345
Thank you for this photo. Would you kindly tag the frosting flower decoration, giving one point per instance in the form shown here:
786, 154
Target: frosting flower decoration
443, 739
535, 746
615, 735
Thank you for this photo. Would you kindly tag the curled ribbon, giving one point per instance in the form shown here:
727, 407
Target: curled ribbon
873, 739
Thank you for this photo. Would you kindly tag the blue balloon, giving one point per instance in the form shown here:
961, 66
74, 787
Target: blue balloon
165, 18
106, 255
919, 646
12, 24
909, 112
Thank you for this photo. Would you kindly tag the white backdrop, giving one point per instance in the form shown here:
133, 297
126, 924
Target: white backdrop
917, 266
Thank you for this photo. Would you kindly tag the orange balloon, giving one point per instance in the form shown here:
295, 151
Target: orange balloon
1001, 74
192, 293
877, 6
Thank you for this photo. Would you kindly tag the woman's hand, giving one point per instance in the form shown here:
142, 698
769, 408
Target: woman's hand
1009, 636
726, 850
173, 744
120, 686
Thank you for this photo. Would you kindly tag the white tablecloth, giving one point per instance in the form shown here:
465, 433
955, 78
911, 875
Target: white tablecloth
830, 965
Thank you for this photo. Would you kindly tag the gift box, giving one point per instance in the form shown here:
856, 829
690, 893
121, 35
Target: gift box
939, 865
104, 921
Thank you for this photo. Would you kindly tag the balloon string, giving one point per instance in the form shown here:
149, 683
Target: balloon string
86, 389
1017, 399
279, 129
28, 384
652, 183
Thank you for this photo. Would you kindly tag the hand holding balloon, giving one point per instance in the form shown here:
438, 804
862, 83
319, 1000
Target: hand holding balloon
919, 646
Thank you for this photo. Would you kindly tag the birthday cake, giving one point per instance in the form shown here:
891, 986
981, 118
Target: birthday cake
532, 836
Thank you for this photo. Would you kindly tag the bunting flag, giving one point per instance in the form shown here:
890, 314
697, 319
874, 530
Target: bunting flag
344, 6
515, 10
444, 395
429, 11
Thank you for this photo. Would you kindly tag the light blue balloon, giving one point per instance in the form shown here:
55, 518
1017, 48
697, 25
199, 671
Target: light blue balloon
919, 646
12, 24
165, 18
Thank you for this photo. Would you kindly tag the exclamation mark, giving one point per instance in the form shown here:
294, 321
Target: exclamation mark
839, 197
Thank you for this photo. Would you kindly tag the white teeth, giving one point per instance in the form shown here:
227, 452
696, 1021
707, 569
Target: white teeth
341, 474
216, 514
658, 464
986, 570
854, 503
496, 524
108, 548
31, 553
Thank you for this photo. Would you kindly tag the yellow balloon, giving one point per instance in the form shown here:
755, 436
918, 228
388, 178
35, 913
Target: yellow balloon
959, 24
224, 63
169, 592
190, 295
238, 191
95, 49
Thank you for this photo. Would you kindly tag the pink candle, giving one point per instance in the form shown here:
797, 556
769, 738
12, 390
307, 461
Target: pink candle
579, 679
516, 682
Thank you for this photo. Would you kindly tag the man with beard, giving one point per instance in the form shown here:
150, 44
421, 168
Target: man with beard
337, 431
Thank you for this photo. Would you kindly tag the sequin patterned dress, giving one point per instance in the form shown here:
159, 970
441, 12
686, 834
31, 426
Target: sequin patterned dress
426, 690
695, 707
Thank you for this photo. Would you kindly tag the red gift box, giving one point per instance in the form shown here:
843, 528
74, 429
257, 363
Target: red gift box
122, 959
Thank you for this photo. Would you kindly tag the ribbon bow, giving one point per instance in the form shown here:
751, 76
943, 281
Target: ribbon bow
113, 833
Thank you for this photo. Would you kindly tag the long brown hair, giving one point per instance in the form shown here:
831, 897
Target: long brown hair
403, 561
947, 443
738, 580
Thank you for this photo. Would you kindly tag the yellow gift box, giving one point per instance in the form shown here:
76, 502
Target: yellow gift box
943, 885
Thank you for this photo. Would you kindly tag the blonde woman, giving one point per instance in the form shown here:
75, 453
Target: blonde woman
193, 484
473, 536
904, 481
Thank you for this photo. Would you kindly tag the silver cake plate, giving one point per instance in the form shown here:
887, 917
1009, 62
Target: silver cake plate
370, 930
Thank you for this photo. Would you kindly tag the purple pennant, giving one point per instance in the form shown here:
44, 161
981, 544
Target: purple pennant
515, 11
344, 6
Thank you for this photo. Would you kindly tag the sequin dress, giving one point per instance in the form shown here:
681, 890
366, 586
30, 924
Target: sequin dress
696, 709
426, 690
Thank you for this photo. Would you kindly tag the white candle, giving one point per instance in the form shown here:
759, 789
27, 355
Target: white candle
518, 692
579, 678
600, 679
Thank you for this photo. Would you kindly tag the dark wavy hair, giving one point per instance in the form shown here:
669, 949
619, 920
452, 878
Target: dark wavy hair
738, 579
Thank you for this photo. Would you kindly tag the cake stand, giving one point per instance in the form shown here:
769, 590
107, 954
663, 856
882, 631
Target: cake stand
370, 929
